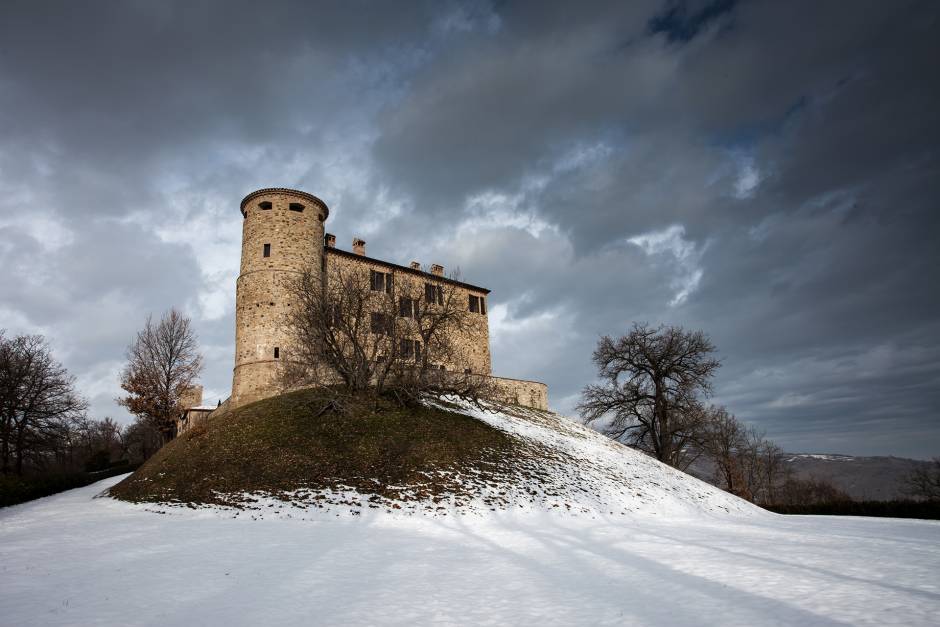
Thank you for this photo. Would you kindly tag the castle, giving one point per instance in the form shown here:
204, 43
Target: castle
283, 235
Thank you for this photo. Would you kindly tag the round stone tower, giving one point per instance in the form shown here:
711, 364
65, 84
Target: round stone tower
282, 235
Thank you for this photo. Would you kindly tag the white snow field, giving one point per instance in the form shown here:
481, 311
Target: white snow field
630, 543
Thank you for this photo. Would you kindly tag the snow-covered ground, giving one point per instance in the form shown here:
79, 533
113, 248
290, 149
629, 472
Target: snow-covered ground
72, 559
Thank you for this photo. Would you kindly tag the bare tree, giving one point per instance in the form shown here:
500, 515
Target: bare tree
390, 338
746, 463
163, 362
924, 482
809, 491
38, 401
650, 395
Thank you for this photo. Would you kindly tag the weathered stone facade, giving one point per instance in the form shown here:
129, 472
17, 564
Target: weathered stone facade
283, 236
473, 345
521, 392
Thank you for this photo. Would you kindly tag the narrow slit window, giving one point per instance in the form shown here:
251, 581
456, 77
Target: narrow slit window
296, 206
277, 352
483, 305
267, 250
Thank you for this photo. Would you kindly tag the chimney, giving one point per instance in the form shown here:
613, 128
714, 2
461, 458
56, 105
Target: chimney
359, 246
437, 269
415, 265
330, 240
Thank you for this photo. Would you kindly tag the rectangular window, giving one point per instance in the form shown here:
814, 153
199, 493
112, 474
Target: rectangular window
483, 305
380, 281
277, 352
409, 349
433, 293
267, 250
407, 308
377, 323
406, 349
474, 304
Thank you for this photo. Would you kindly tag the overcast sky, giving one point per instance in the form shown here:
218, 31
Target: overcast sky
764, 171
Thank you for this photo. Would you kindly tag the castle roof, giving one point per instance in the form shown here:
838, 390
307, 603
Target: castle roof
395, 266
285, 190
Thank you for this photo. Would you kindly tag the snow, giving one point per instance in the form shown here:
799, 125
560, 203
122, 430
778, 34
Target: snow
72, 559
831, 458
613, 537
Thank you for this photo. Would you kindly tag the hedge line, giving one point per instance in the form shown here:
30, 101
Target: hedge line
14, 490
889, 509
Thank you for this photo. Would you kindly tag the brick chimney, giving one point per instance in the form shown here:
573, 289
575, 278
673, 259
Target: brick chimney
437, 269
330, 240
359, 246
415, 265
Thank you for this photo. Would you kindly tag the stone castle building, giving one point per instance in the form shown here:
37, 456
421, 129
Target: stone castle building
283, 235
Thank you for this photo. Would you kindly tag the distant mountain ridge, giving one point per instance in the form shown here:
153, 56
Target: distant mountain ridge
879, 478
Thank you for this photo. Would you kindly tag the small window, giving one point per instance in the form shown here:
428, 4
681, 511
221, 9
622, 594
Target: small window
296, 206
378, 323
407, 308
483, 305
406, 349
376, 281
267, 250
264, 205
474, 304
380, 281
277, 352
433, 293
409, 349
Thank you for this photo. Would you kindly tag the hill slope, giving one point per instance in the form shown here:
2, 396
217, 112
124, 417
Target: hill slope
290, 455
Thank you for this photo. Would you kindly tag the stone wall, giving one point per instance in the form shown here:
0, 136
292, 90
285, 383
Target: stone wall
472, 346
294, 242
521, 392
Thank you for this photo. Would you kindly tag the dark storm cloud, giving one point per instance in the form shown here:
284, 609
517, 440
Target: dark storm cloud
764, 171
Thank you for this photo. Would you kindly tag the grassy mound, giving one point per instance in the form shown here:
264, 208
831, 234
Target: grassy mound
295, 444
